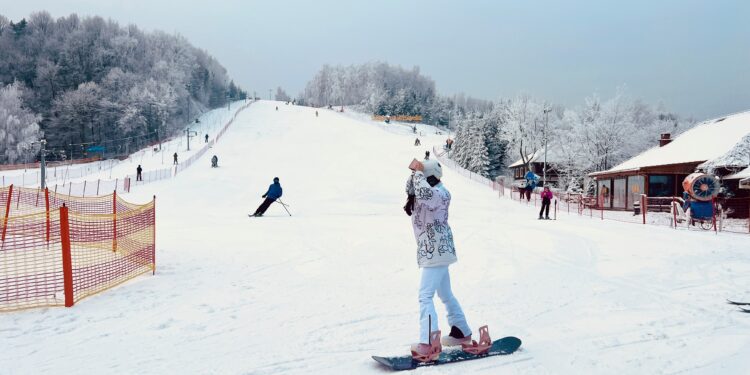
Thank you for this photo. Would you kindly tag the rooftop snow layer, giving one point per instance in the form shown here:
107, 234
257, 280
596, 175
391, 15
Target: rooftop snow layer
706, 141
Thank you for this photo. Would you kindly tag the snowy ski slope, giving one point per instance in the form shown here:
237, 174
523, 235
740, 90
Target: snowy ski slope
323, 290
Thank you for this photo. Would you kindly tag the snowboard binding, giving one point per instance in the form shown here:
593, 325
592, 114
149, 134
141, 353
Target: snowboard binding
481, 347
428, 352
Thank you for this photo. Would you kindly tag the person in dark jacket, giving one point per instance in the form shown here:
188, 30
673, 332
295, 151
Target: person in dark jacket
175, 158
138, 176
274, 192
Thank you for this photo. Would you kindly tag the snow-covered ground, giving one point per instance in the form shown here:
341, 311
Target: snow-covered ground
323, 290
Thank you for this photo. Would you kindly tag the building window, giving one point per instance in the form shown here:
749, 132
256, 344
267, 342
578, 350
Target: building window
604, 193
660, 185
635, 189
619, 194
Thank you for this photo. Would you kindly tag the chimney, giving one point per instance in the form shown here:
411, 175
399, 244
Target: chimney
665, 139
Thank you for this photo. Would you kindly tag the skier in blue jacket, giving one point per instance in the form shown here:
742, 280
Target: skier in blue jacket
274, 192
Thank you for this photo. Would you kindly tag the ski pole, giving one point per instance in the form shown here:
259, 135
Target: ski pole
283, 205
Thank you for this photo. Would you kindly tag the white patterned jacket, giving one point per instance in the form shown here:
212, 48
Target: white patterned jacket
430, 221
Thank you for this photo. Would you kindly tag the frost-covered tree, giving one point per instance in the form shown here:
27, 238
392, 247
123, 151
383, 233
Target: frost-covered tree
95, 81
19, 127
281, 95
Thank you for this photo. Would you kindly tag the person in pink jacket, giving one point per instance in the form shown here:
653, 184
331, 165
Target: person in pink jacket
546, 199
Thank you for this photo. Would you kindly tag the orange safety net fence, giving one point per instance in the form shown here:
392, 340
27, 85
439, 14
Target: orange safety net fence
57, 249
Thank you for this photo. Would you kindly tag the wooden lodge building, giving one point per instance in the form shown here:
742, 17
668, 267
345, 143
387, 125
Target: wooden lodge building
536, 164
659, 171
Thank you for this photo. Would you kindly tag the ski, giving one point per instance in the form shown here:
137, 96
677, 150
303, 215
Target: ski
745, 310
737, 303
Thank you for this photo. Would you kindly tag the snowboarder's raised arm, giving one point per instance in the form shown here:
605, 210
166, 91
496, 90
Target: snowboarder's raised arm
410, 185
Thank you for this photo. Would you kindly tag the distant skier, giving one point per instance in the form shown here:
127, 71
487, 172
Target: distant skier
426, 155
546, 200
277, 108
138, 176
427, 204
214, 161
530, 184
417, 142
316, 113
175, 159
273, 193
206, 137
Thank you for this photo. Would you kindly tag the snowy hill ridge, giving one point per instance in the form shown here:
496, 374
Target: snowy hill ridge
323, 290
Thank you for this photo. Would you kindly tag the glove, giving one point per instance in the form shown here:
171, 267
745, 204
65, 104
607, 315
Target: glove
409, 204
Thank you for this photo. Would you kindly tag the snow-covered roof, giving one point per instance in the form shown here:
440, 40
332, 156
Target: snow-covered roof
538, 156
745, 173
706, 141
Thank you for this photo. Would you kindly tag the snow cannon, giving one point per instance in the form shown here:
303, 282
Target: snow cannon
701, 187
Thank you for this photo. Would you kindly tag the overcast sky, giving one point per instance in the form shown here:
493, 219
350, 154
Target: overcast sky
692, 56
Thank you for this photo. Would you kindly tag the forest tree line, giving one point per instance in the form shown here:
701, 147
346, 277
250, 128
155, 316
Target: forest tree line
86, 81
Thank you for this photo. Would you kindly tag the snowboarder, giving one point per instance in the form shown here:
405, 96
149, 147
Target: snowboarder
273, 193
138, 171
214, 161
206, 137
417, 142
175, 159
427, 204
530, 184
546, 200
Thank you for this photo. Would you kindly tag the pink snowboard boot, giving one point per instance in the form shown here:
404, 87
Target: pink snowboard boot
481, 347
427, 352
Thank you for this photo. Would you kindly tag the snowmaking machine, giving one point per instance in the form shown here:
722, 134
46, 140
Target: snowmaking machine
700, 189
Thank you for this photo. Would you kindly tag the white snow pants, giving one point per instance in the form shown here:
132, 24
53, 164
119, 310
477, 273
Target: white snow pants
438, 279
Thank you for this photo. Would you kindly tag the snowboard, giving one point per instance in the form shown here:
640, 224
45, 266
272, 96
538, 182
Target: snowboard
506, 345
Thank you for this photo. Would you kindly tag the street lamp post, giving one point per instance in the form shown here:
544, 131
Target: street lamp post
544, 165
188, 102
190, 134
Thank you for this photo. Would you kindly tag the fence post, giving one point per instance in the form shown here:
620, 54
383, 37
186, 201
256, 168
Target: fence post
713, 213
67, 261
7, 210
84, 187
153, 239
46, 206
674, 212
114, 220
644, 207
97, 186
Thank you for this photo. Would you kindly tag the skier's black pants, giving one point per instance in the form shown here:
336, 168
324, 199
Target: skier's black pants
264, 206
545, 208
